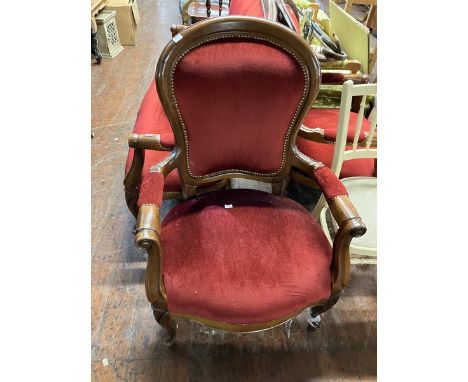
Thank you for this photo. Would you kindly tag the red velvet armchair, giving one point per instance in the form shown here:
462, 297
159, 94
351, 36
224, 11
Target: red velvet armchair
240, 260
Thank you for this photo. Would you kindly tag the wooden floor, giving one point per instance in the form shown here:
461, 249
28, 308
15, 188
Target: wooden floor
124, 333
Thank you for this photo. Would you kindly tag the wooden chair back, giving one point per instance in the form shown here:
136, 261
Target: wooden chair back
225, 126
366, 149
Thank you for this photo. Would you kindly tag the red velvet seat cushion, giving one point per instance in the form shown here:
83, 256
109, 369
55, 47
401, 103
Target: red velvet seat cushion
261, 260
327, 119
151, 119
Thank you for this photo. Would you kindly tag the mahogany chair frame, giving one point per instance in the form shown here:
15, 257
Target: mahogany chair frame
148, 225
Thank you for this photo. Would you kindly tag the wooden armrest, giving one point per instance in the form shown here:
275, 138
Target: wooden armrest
147, 142
148, 226
334, 78
343, 211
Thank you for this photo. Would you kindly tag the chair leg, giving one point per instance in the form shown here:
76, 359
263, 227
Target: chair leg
314, 317
167, 322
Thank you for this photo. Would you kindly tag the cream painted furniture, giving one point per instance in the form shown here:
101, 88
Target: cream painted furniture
96, 6
370, 23
362, 190
108, 35
371, 16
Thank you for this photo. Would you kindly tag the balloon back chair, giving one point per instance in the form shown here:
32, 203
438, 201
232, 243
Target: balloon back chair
235, 90
362, 189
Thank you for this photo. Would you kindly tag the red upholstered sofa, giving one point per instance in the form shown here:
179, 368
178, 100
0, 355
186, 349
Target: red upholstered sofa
152, 120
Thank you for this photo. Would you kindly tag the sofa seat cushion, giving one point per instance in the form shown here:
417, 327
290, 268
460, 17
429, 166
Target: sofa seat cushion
242, 257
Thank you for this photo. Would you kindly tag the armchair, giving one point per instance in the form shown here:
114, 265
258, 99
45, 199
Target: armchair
240, 260
352, 143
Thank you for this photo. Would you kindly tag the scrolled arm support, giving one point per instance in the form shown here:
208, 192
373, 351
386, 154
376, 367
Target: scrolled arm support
341, 262
147, 236
349, 222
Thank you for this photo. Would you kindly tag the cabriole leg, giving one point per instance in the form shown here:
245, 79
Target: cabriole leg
167, 322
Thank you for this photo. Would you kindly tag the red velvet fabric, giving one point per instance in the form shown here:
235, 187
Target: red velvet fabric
237, 99
327, 119
151, 119
246, 8
151, 189
297, 28
323, 152
262, 259
330, 185
167, 139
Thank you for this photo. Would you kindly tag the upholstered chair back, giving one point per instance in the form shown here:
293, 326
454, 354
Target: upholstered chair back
236, 97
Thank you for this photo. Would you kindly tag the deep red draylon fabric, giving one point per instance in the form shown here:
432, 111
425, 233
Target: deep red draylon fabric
237, 100
151, 119
297, 28
330, 185
167, 139
262, 259
246, 8
151, 189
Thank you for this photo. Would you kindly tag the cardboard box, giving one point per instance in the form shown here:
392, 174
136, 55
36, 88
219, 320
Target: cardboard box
127, 19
